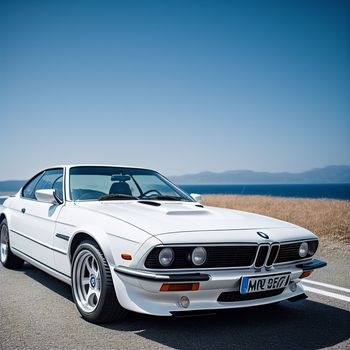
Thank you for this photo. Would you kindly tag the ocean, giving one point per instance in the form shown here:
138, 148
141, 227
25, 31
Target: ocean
334, 191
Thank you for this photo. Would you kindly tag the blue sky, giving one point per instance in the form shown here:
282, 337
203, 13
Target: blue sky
179, 86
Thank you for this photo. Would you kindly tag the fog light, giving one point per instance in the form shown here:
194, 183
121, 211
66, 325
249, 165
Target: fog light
303, 249
293, 286
184, 302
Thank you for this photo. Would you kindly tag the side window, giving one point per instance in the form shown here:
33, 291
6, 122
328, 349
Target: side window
58, 186
28, 190
52, 179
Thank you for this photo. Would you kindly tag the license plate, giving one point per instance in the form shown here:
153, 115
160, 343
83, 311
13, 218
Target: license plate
251, 284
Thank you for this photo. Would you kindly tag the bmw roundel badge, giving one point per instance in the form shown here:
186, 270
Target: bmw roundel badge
263, 235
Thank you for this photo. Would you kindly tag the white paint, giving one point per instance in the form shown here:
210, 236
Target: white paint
330, 286
327, 294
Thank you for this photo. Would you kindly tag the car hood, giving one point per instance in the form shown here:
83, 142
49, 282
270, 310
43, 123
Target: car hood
171, 217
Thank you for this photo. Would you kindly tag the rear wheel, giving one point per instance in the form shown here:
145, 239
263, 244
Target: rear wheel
92, 285
7, 258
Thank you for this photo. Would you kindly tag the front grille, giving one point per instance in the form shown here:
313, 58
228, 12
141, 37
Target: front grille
273, 253
229, 297
290, 251
217, 256
262, 254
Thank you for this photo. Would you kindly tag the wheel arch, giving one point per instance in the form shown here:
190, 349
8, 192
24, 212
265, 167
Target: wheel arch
2, 217
97, 236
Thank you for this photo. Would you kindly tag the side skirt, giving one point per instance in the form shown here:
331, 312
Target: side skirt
62, 277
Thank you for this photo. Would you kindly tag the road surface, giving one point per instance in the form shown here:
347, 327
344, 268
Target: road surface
37, 312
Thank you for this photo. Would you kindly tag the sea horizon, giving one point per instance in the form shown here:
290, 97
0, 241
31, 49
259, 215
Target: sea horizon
317, 190
339, 191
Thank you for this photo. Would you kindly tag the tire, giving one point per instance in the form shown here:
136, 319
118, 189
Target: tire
92, 285
7, 258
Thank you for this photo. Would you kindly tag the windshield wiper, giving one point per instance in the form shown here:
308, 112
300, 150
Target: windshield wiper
163, 197
116, 196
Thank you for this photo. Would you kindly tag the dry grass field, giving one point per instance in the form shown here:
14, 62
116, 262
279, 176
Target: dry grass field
329, 219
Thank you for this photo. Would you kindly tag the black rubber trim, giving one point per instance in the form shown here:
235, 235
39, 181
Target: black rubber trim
153, 204
41, 263
188, 277
195, 313
298, 298
229, 297
59, 235
312, 265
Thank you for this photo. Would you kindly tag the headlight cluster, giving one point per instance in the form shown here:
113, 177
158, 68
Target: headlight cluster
303, 249
197, 257
166, 257
307, 249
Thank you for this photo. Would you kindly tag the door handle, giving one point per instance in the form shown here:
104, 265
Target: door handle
23, 210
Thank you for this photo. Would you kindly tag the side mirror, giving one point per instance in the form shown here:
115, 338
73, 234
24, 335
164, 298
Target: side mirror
47, 196
196, 197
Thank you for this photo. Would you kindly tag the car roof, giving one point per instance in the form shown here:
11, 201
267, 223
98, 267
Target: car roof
68, 166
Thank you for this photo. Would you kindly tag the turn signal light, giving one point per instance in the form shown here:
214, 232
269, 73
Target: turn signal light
306, 274
177, 287
126, 256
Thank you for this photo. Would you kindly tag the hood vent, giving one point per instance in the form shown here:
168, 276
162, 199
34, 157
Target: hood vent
153, 204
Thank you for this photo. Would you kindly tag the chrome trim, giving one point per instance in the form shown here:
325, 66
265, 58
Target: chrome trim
174, 277
267, 255
293, 262
206, 244
300, 241
141, 274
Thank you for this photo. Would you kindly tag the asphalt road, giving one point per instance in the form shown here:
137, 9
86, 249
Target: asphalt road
37, 312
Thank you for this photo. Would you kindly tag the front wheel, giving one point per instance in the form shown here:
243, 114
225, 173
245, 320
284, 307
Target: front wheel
92, 285
7, 258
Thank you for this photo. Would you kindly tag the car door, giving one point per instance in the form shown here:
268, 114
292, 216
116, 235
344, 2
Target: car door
34, 222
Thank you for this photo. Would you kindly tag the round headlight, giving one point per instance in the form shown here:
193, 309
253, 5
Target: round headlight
303, 249
199, 256
166, 257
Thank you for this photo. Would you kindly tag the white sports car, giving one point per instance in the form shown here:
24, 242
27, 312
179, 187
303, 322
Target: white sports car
128, 239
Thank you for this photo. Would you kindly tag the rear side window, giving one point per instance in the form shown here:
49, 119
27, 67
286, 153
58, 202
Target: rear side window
28, 190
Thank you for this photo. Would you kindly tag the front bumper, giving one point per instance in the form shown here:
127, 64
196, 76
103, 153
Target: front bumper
139, 290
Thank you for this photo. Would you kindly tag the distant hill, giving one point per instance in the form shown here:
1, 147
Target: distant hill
327, 175
11, 186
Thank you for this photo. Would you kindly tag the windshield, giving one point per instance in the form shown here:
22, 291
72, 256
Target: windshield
115, 183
